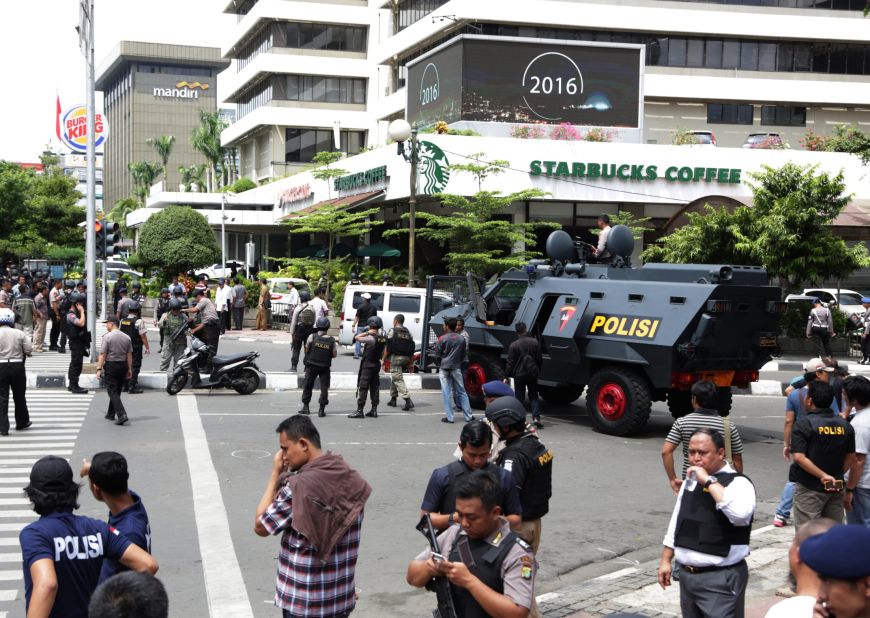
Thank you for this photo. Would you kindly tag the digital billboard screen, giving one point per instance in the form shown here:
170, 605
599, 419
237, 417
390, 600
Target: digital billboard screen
509, 80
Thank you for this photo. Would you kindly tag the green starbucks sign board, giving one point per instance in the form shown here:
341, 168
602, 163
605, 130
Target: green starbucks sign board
627, 171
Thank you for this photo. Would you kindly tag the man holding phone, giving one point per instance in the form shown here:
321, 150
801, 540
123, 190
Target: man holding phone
823, 446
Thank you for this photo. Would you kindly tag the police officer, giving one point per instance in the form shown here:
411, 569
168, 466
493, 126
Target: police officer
841, 558
136, 295
14, 347
491, 570
374, 341
78, 338
399, 350
172, 332
134, 327
123, 304
320, 349
211, 327
302, 324
161, 307
116, 365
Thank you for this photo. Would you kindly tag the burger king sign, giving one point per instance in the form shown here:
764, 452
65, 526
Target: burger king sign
73, 129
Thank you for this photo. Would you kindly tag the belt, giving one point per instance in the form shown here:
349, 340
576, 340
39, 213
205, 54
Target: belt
11, 360
706, 569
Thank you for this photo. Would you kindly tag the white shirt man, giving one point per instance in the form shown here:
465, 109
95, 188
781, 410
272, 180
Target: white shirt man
221, 296
604, 226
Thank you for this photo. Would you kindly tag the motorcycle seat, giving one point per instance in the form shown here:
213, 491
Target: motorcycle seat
226, 360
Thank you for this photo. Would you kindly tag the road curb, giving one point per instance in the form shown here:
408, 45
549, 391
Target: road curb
798, 367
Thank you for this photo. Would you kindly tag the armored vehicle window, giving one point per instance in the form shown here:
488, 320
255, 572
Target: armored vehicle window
502, 306
678, 300
404, 303
635, 298
596, 295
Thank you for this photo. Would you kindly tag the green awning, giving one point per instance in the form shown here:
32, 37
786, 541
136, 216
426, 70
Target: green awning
379, 250
338, 250
309, 251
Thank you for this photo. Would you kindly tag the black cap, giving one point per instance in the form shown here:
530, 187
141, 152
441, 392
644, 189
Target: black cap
51, 474
122, 290
113, 319
199, 292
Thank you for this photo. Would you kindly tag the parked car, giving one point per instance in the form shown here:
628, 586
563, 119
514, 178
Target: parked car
848, 301
389, 301
216, 272
705, 138
760, 140
278, 289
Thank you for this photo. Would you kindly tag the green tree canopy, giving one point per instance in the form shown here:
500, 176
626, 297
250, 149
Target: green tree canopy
143, 173
478, 239
206, 139
787, 230
324, 159
163, 147
177, 239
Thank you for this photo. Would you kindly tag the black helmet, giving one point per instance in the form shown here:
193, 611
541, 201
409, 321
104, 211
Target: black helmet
134, 307
375, 322
304, 296
506, 411
137, 286
322, 323
69, 283
174, 303
122, 290
164, 290
77, 297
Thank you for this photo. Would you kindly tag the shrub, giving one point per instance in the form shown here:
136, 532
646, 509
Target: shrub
178, 239
528, 131
684, 137
597, 134
565, 131
813, 141
241, 185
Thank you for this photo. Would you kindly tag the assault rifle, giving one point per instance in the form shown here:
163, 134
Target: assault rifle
439, 585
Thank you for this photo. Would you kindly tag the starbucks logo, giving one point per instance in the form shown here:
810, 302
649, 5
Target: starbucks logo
434, 168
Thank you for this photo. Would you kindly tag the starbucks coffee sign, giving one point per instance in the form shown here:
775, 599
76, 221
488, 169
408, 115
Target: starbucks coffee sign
362, 179
634, 172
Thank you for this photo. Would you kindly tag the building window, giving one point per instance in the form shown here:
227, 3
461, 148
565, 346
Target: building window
172, 69
836, 5
260, 45
783, 116
260, 96
412, 11
729, 113
322, 89
322, 36
302, 144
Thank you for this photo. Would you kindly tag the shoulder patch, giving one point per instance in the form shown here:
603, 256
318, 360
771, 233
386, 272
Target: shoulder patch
523, 544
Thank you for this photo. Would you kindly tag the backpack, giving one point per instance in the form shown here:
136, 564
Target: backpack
305, 321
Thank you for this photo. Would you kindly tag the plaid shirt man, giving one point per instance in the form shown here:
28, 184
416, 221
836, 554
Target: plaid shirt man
306, 586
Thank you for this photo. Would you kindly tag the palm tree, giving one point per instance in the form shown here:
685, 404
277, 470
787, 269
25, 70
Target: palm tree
206, 138
144, 173
122, 208
163, 146
191, 175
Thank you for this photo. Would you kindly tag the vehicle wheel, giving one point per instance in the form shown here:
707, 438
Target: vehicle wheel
176, 382
247, 382
481, 369
724, 395
679, 403
618, 399
565, 394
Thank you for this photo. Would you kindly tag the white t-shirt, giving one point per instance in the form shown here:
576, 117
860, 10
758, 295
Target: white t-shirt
602, 239
795, 607
293, 297
861, 425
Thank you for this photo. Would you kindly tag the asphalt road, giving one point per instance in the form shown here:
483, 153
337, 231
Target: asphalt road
610, 507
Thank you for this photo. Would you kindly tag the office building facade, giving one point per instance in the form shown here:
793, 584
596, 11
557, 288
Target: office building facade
151, 90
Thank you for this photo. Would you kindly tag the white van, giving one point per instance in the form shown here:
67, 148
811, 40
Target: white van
389, 301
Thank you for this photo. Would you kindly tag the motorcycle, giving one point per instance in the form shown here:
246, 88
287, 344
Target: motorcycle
237, 371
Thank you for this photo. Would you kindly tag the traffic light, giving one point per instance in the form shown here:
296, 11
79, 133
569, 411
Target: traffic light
112, 233
100, 231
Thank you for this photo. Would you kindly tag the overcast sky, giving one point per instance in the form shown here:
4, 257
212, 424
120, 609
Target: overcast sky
41, 57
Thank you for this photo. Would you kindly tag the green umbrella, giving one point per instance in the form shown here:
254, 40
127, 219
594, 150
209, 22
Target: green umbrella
379, 250
309, 251
338, 250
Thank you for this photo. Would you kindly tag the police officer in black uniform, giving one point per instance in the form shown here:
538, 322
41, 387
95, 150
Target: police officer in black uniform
161, 307
320, 349
78, 338
136, 294
399, 351
530, 464
134, 327
374, 341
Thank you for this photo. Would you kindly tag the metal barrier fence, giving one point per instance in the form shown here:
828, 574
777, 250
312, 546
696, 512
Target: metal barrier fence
280, 319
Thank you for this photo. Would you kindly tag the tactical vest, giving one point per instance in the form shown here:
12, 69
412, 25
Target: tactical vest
488, 560
401, 343
72, 331
538, 486
128, 327
320, 352
373, 352
173, 323
702, 527
455, 471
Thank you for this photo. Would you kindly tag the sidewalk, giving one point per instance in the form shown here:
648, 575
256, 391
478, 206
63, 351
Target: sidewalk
634, 592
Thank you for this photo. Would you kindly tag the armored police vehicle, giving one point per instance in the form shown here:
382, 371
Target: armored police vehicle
629, 336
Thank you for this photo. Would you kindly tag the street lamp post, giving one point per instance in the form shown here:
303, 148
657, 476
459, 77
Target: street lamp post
400, 131
223, 235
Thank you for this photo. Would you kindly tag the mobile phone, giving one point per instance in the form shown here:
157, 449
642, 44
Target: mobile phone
438, 557
835, 485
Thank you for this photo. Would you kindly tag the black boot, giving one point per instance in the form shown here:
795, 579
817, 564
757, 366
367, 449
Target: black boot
304, 409
409, 405
373, 413
392, 402
321, 412
357, 414
75, 389
122, 418
133, 388
110, 416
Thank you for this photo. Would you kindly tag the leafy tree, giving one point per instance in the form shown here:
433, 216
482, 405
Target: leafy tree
163, 147
684, 137
192, 175
335, 222
478, 239
177, 239
846, 138
206, 139
241, 185
143, 173
323, 160
122, 208
637, 225
787, 230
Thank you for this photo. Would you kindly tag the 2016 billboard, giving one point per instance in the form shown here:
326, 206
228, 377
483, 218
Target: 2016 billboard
515, 80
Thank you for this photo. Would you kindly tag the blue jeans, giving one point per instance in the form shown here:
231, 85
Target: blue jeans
783, 509
860, 513
458, 404
357, 346
451, 381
